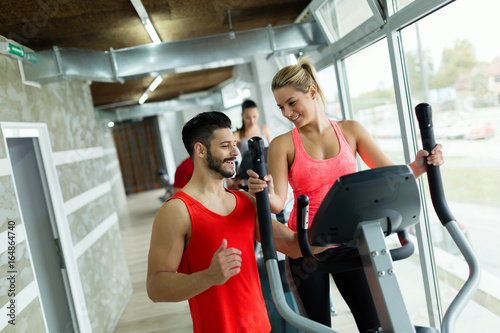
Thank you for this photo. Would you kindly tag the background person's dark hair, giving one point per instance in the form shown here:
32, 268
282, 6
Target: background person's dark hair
247, 104
201, 129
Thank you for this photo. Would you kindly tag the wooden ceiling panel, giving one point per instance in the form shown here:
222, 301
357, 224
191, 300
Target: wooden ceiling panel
101, 25
172, 86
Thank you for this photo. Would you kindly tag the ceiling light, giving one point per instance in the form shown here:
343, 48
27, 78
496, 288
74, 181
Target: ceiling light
232, 34
143, 14
151, 31
156, 82
143, 97
246, 93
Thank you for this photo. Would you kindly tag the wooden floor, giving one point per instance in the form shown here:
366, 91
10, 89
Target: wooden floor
141, 315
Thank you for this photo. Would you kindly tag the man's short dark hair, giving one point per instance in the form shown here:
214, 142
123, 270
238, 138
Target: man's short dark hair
201, 128
248, 104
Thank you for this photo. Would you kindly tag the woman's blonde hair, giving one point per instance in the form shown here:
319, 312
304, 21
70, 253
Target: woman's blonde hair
300, 76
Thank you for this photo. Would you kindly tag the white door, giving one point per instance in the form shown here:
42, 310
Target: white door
41, 233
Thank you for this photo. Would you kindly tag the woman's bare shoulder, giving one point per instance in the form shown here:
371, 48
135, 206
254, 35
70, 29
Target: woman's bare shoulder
352, 129
282, 140
349, 125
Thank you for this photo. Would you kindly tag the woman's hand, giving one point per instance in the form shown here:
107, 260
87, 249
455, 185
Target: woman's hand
423, 158
258, 185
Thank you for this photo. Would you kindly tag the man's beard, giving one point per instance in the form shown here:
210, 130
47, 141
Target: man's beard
215, 164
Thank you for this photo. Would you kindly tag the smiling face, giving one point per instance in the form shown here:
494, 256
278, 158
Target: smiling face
222, 153
295, 105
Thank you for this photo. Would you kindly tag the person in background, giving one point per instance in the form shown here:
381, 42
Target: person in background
183, 174
311, 157
250, 127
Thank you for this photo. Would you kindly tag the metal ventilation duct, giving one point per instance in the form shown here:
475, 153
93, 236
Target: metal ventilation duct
173, 57
212, 99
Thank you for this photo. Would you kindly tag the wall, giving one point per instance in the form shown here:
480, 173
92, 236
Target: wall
90, 185
264, 72
171, 124
113, 169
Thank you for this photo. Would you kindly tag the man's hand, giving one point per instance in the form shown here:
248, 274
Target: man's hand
255, 184
225, 264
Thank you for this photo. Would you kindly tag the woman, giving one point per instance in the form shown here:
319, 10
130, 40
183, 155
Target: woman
250, 126
311, 157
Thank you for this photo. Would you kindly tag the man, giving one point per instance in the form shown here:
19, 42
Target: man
202, 242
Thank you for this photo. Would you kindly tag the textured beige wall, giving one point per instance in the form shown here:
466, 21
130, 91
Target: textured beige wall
9, 211
105, 270
66, 109
28, 321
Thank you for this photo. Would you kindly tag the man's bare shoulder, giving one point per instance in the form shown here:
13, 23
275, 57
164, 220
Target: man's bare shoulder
251, 197
173, 213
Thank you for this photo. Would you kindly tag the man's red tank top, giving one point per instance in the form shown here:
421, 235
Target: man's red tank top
238, 304
314, 178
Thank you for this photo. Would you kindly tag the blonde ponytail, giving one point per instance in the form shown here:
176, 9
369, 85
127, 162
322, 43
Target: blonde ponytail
300, 76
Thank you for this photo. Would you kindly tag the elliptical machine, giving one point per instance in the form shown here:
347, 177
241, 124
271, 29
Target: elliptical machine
360, 210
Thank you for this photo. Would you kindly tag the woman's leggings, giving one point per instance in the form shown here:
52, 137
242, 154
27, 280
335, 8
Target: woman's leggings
312, 292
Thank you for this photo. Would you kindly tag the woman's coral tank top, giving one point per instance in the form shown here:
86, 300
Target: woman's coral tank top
314, 178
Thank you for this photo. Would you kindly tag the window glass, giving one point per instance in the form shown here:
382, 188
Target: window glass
454, 64
328, 84
400, 4
343, 16
372, 96
373, 101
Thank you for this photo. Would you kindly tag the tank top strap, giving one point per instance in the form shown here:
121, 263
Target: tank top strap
186, 199
300, 151
342, 140
297, 143
182, 196
242, 202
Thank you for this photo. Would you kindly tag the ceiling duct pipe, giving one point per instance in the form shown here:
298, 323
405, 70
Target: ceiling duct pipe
210, 99
173, 57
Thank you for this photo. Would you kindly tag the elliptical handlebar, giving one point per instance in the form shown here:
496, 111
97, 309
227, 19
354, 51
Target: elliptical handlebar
424, 116
303, 227
256, 147
407, 247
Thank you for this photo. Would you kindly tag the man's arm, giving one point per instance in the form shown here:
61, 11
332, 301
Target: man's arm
285, 240
171, 228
